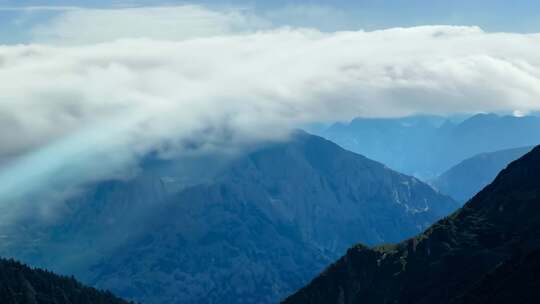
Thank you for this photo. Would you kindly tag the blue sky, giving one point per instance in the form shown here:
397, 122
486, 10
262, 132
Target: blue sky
494, 15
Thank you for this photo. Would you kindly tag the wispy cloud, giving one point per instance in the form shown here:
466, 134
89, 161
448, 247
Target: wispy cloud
135, 80
40, 8
83, 26
79, 25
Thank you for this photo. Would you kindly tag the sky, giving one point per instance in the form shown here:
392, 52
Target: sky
87, 88
17, 17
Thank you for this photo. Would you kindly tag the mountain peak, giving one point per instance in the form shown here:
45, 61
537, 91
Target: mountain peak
287, 209
471, 175
462, 257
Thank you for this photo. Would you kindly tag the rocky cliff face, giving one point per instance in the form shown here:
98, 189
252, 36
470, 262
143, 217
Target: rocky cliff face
260, 228
487, 252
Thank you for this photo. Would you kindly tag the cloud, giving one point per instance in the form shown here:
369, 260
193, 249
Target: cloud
79, 25
39, 8
82, 112
85, 25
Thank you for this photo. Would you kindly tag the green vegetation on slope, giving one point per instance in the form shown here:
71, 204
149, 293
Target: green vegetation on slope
20, 284
486, 252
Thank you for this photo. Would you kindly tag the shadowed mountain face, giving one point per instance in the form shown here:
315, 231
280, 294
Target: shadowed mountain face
260, 228
426, 146
465, 179
486, 252
22, 285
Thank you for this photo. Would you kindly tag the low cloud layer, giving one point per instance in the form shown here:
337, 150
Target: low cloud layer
94, 107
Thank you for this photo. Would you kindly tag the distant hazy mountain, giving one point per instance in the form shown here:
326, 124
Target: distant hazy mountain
426, 146
487, 252
20, 284
468, 177
258, 229
404, 144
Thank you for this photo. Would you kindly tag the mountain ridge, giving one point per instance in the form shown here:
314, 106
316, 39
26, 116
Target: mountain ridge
285, 209
468, 177
20, 284
496, 233
426, 146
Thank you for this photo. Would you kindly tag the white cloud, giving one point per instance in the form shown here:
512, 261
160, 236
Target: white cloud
85, 25
39, 8
88, 110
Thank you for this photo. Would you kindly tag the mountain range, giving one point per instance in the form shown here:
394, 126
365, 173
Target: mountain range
249, 231
486, 252
427, 146
467, 178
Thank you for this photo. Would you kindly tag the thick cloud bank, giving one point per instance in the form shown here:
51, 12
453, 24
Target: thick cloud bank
103, 104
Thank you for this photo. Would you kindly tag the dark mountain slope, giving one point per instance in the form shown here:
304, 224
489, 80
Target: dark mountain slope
471, 175
20, 284
514, 281
493, 241
257, 230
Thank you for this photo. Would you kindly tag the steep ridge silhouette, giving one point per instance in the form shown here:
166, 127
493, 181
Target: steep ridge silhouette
20, 284
486, 252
